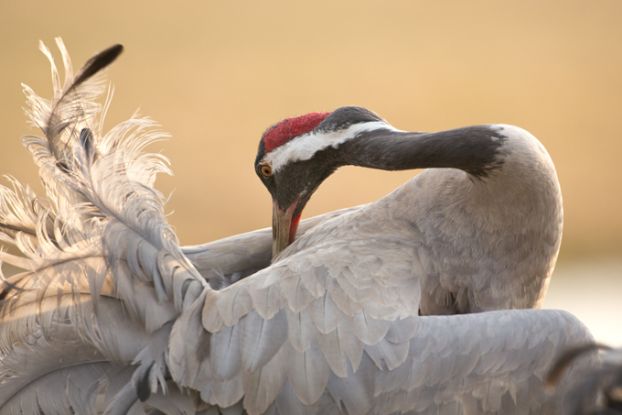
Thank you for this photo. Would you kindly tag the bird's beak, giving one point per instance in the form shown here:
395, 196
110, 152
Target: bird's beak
284, 226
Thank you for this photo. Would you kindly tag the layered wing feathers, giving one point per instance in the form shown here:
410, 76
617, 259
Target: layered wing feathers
364, 349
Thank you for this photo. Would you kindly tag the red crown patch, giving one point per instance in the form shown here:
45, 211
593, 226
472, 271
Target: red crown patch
281, 133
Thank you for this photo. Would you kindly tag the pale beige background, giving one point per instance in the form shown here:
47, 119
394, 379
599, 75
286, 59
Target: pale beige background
216, 74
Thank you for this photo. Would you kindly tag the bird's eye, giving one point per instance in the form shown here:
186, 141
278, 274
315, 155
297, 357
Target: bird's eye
265, 169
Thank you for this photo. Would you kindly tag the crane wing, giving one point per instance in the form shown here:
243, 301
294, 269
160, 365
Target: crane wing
316, 332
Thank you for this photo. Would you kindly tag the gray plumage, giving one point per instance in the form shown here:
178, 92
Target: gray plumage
597, 389
111, 314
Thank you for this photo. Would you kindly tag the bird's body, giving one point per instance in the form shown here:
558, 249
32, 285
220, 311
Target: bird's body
482, 236
110, 312
473, 245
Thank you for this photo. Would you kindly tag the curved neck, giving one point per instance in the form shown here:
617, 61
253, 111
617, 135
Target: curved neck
475, 150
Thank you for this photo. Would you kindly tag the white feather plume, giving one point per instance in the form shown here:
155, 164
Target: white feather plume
100, 232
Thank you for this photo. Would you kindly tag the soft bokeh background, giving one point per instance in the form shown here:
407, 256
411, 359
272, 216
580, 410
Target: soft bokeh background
216, 74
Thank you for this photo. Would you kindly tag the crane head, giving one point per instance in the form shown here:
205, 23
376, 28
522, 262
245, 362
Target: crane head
297, 154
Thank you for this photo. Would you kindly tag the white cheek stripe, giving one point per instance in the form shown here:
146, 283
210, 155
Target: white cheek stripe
305, 146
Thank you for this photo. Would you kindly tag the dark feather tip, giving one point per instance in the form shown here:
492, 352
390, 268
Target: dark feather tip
62, 166
99, 62
567, 358
6, 288
86, 140
143, 389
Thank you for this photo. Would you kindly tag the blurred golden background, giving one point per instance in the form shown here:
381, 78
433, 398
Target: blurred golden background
216, 74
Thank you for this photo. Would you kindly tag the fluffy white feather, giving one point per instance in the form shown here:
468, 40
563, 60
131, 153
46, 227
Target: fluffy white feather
100, 231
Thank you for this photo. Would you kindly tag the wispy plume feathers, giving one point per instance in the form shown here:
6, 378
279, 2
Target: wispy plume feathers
99, 236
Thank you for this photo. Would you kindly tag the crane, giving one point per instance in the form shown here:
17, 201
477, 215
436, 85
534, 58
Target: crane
483, 223
481, 227
111, 314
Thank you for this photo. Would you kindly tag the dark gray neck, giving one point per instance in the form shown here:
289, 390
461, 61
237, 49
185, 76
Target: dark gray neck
475, 150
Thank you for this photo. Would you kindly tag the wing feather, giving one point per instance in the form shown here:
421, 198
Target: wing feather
308, 373
324, 313
491, 362
262, 338
228, 354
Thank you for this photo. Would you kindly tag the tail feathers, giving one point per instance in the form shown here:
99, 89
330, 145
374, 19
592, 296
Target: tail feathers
99, 241
69, 354
100, 194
